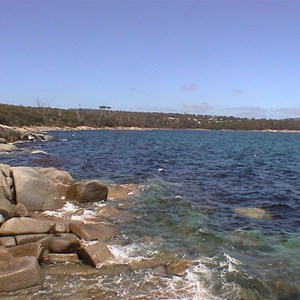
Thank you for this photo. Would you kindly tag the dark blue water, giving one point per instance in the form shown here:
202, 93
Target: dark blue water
194, 183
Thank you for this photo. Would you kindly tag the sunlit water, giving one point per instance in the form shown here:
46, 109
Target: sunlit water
190, 185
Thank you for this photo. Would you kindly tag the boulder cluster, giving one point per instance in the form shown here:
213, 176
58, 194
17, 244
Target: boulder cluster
28, 239
10, 135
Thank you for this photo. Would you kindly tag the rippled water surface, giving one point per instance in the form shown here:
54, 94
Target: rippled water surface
196, 192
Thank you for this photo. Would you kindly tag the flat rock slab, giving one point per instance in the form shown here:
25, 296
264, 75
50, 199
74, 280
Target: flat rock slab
64, 244
23, 225
29, 238
89, 232
95, 254
71, 258
8, 241
19, 273
69, 270
30, 249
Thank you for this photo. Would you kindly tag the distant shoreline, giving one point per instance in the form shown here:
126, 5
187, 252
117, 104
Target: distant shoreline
86, 128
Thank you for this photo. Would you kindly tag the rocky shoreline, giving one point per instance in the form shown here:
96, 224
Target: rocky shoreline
35, 234
43, 229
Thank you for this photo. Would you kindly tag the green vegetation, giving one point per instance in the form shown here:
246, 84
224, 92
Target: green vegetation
13, 115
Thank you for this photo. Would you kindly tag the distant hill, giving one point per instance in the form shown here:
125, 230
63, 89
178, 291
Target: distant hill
15, 115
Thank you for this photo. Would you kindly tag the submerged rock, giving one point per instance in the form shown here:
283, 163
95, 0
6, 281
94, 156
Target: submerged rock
122, 191
114, 269
253, 212
19, 273
145, 264
109, 211
7, 148
178, 267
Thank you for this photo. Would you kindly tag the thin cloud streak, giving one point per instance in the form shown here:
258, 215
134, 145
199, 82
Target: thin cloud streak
189, 87
237, 91
196, 107
260, 112
292, 111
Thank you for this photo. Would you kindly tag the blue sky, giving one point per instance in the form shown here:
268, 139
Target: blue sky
239, 58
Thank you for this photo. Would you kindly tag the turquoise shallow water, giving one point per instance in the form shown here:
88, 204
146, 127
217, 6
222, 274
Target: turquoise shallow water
193, 185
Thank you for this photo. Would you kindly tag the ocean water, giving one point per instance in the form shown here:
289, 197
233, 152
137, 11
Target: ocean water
227, 201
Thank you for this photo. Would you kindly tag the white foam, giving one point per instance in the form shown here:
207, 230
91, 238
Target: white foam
38, 152
129, 253
69, 207
230, 263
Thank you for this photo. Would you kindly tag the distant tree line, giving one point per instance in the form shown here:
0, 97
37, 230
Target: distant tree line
14, 115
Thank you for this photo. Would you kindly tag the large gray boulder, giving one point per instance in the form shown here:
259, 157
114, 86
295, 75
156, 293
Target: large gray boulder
19, 273
40, 189
88, 191
7, 209
56, 175
10, 134
6, 182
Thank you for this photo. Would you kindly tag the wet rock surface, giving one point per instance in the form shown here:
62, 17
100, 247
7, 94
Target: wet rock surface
95, 254
19, 273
